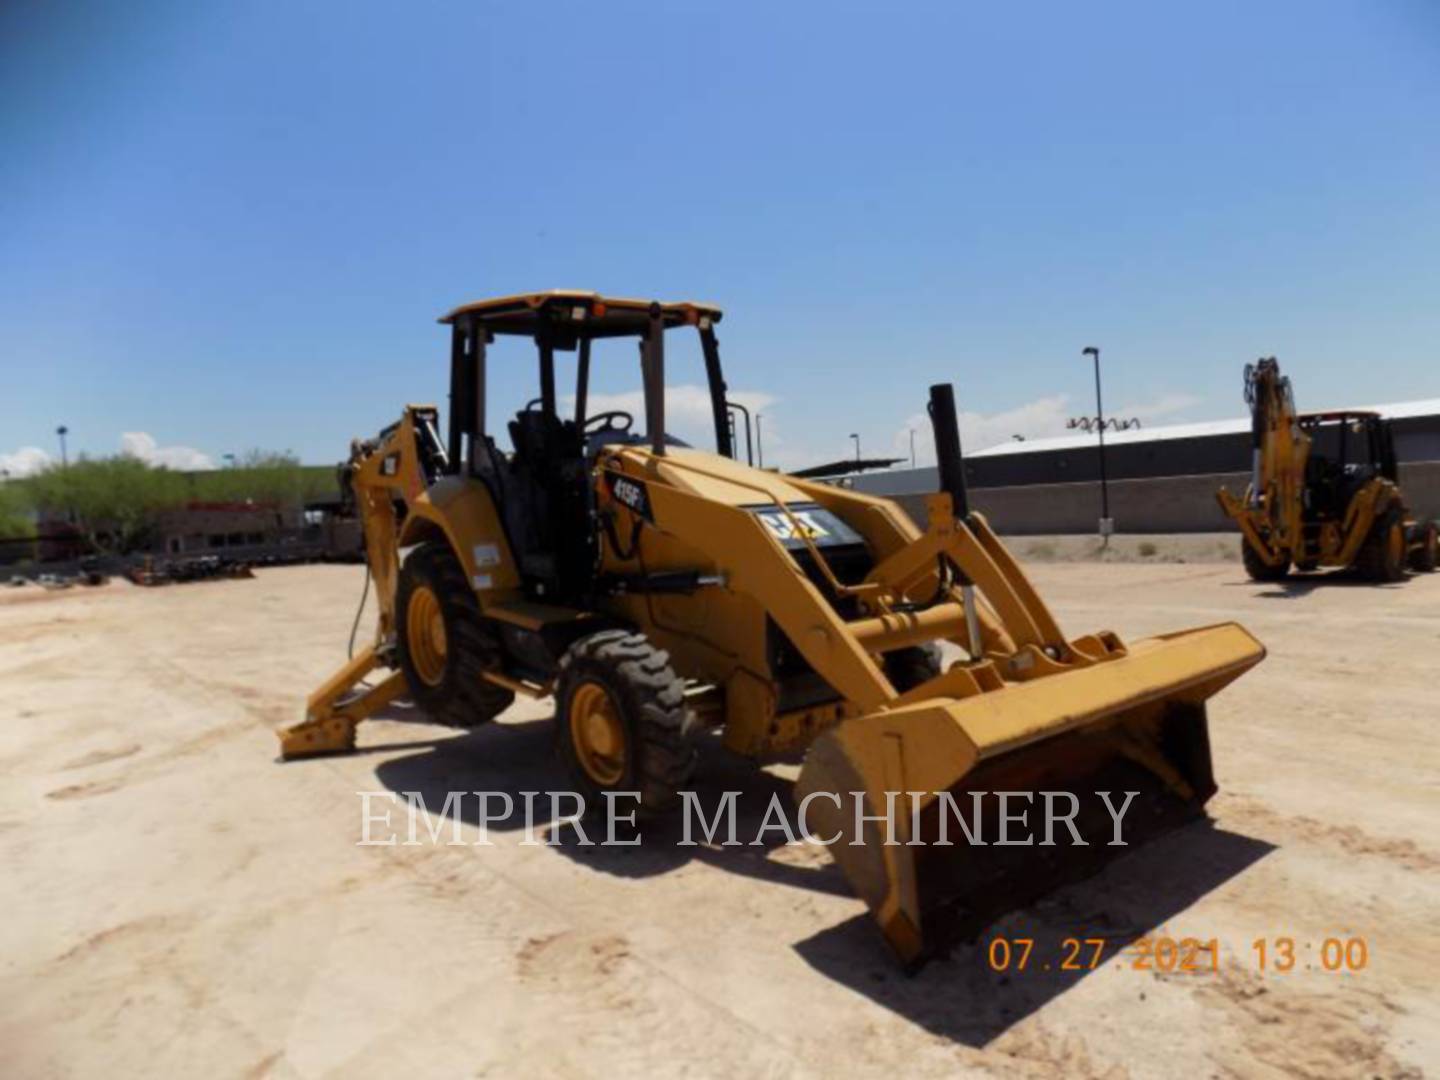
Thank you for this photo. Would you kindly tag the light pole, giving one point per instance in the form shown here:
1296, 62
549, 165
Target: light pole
912, 448
1107, 524
62, 431
759, 441
857, 447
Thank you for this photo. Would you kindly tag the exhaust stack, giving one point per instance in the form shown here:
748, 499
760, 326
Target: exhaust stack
945, 421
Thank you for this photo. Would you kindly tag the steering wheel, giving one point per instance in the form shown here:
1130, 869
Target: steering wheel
614, 420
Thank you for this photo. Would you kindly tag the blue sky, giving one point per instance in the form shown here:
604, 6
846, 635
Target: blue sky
226, 226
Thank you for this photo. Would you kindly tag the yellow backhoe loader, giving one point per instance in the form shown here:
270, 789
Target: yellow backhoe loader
1323, 490
660, 592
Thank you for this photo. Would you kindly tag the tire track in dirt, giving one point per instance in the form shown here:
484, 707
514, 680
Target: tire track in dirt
1307, 830
1291, 1031
261, 709
101, 757
1032, 1050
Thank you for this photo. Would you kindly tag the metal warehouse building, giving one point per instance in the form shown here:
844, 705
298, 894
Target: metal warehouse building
1161, 479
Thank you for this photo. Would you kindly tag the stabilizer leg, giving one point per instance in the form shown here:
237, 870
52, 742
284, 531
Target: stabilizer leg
331, 718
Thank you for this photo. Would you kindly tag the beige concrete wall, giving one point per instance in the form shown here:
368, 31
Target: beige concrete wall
1421, 483
1177, 504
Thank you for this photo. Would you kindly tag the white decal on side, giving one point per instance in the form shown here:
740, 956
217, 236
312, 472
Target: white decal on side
629, 493
783, 528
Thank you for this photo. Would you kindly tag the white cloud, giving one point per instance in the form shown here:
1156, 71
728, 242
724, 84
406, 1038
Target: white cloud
25, 461
142, 445
1163, 407
28, 460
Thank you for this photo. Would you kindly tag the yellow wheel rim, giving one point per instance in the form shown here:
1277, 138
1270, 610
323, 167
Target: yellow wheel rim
1396, 540
425, 635
597, 733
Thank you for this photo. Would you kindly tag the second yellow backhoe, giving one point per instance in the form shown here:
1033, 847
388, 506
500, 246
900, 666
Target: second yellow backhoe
663, 594
1324, 491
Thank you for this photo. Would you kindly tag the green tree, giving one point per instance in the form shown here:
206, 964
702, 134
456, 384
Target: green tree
115, 501
15, 518
265, 477
112, 501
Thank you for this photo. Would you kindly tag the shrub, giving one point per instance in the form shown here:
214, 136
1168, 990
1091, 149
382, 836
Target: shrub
14, 511
114, 500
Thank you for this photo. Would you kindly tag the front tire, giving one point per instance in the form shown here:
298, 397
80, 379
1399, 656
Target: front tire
444, 645
1382, 557
621, 722
1258, 568
1425, 558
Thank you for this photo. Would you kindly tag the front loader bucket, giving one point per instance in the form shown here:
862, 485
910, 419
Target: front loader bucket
1135, 723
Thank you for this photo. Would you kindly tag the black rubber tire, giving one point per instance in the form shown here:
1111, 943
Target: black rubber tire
462, 698
1258, 568
1425, 558
660, 753
1376, 560
907, 668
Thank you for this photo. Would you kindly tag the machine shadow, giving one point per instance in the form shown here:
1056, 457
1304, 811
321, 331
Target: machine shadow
1297, 586
515, 758
958, 997
963, 998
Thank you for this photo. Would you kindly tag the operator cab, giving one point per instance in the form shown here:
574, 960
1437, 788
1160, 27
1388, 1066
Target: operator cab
1347, 450
544, 487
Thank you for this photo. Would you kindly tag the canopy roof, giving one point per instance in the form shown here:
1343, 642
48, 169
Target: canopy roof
581, 313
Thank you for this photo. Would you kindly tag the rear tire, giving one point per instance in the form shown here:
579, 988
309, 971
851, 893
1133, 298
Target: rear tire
907, 668
621, 721
1258, 568
1426, 557
1382, 556
444, 669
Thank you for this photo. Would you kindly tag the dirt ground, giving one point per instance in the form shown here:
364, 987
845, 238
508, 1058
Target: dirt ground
1177, 548
181, 904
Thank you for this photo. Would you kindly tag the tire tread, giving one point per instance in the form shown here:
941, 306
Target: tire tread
465, 698
641, 675
1373, 560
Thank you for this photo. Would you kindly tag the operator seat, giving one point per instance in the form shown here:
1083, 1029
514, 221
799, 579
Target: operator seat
1322, 483
549, 506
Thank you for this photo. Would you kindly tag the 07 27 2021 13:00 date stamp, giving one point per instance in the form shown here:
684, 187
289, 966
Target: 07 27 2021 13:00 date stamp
1183, 955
